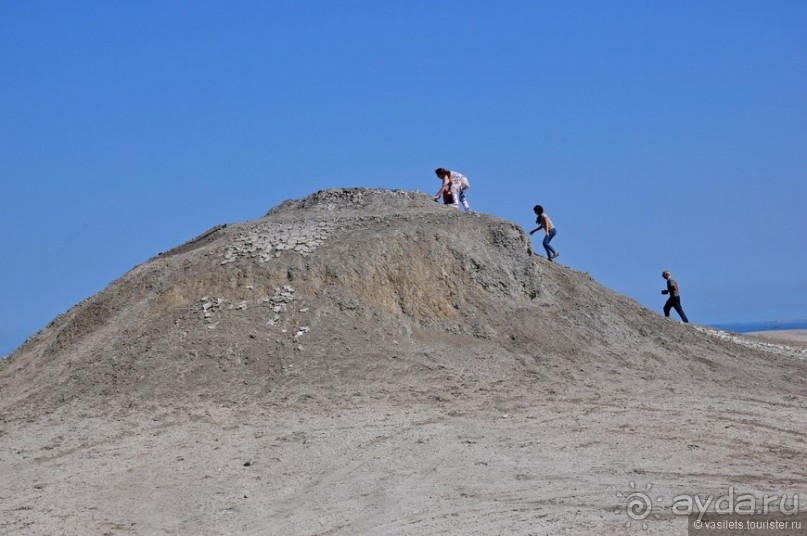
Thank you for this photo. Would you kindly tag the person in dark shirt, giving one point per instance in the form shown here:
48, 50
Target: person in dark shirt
674, 301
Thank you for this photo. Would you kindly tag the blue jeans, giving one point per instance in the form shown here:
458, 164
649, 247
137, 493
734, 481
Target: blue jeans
459, 198
550, 251
463, 201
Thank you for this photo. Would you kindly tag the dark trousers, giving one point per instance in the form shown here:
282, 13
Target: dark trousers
675, 303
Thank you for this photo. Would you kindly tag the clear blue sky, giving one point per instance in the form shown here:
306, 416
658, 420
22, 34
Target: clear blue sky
657, 134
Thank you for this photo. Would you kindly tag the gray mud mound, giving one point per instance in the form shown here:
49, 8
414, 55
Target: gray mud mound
369, 362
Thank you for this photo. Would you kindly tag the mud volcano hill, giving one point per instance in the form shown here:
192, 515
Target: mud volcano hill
366, 361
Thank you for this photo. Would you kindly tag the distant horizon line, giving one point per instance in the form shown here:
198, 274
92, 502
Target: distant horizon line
761, 325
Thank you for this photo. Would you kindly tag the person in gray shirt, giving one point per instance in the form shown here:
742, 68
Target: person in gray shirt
674, 301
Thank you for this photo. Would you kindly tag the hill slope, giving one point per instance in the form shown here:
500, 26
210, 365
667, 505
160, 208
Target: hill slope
370, 362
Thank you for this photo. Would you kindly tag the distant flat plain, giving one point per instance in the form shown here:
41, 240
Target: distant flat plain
794, 337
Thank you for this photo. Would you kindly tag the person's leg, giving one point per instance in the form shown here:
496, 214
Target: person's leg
552, 234
668, 306
680, 310
455, 193
550, 251
464, 201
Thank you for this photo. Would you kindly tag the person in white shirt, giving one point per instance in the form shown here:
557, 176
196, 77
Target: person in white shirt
455, 184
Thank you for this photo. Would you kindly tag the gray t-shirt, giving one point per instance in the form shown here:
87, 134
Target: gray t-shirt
672, 286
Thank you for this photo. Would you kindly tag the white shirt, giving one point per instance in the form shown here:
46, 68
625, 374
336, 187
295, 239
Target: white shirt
458, 181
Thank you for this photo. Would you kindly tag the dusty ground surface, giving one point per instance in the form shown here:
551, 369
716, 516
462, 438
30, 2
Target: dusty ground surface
792, 337
367, 362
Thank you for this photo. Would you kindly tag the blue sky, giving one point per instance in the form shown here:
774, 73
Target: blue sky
656, 134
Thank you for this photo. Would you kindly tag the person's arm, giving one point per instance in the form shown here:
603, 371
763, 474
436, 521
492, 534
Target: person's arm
540, 226
442, 190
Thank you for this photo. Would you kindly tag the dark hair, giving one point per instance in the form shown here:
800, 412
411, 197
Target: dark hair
538, 209
441, 172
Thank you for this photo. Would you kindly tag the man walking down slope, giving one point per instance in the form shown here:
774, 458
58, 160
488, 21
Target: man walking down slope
674, 301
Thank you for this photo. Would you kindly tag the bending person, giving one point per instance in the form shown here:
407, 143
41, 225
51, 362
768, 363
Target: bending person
455, 183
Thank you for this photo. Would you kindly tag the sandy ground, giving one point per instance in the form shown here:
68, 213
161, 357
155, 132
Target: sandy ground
440, 453
793, 337
496, 465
